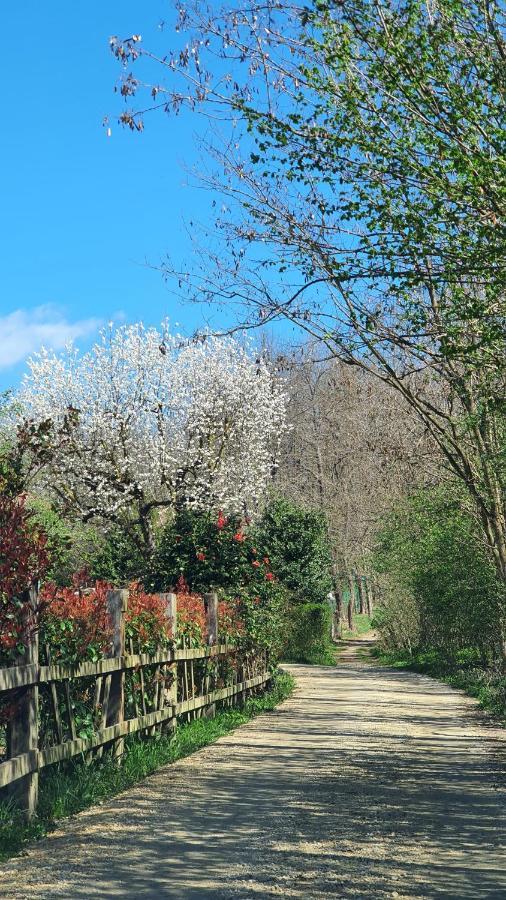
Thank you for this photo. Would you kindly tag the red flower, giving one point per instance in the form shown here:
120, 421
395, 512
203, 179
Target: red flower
201, 556
269, 576
239, 537
267, 561
222, 520
255, 563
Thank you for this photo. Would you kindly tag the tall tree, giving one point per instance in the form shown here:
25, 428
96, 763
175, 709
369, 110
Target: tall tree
350, 450
366, 158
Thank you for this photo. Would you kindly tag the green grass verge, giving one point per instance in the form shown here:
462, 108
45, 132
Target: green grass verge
319, 656
487, 685
362, 625
68, 788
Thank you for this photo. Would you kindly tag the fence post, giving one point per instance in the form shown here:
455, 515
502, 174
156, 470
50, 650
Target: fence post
211, 608
23, 730
170, 601
117, 602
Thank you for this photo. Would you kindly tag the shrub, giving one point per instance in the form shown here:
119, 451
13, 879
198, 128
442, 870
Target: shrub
263, 609
211, 551
115, 556
23, 559
75, 625
71, 546
192, 620
309, 634
296, 541
440, 589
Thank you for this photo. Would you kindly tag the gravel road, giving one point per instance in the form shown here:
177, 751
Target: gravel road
366, 783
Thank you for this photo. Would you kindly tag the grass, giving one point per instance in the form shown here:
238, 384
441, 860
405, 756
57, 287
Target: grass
487, 685
323, 652
362, 624
66, 789
324, 655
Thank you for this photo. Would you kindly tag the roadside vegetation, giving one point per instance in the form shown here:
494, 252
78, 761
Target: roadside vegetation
82, 512
362, 624
487, 685
442, 603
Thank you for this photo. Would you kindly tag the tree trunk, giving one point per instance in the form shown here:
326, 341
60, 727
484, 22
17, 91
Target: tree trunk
351, 604
339, 610
361, 594
368, 594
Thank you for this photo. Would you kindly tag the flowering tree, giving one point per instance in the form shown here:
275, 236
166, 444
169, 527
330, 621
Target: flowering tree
221, 552
210, 551
147, 421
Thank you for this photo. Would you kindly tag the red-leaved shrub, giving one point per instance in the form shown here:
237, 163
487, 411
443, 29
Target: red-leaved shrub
23, 559
75, 623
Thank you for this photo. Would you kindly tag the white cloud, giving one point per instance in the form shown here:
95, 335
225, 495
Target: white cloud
25, 331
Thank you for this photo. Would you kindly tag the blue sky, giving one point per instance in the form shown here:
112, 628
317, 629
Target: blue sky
81, 213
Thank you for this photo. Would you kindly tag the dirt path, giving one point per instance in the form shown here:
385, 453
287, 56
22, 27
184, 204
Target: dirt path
367, 783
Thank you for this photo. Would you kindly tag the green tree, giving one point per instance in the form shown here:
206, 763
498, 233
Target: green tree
114, 555
440, 588
296, 542
71, 546
368, 158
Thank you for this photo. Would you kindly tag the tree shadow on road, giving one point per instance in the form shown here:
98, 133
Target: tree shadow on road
315, 800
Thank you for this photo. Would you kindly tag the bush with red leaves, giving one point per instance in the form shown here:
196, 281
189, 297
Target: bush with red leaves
23, 559
75, 626
75, 623
191, 617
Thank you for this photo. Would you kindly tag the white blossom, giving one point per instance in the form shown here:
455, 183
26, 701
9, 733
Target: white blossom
147, 420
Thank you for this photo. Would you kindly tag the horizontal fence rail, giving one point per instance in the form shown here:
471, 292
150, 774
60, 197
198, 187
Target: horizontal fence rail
23, 676
124, 694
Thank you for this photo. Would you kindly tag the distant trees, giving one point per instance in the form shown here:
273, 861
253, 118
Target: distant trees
349, 449
350, 452
146, 422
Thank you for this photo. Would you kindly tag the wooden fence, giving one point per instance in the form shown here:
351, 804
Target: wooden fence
125, 693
